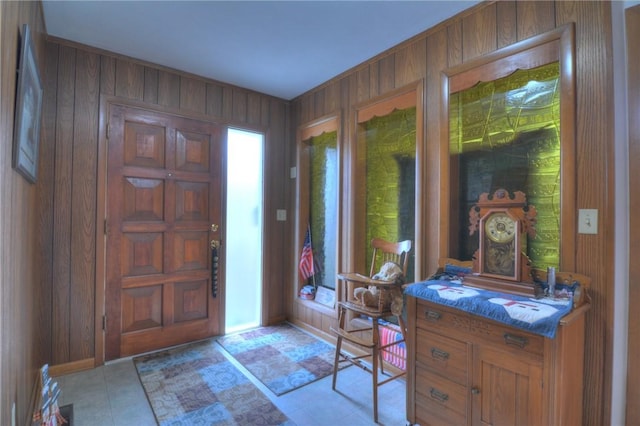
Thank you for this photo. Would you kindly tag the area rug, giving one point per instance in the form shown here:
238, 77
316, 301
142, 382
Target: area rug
282, 357
197, 385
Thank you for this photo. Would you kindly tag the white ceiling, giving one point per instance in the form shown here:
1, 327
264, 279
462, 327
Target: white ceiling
280, 48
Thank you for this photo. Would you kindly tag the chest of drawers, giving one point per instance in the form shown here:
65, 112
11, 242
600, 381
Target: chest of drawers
464, 369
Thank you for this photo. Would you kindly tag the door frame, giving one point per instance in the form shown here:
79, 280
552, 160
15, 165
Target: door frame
106, 102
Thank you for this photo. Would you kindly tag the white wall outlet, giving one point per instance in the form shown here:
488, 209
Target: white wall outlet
588, 221
281, 215
293, 172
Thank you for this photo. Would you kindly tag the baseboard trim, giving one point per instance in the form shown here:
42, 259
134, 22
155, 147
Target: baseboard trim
72, 367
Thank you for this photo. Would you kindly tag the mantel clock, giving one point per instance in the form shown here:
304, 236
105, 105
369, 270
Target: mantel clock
501, 263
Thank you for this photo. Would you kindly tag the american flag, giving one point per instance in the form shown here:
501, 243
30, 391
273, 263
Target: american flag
306, 258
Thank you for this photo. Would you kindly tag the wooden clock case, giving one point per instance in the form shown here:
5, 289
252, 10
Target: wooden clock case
519, 279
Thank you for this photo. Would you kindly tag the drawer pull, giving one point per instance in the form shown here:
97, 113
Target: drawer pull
432, 315
439, 396
439, 354
519, 341
475, 391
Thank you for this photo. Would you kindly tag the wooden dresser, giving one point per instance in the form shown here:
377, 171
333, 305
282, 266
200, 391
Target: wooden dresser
463, 369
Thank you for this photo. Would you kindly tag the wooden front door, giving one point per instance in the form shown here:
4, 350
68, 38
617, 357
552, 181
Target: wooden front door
163, 207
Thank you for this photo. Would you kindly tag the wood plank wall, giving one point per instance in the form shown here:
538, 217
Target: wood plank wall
632, 24
49, 231
77, 78
478, 31
23, 303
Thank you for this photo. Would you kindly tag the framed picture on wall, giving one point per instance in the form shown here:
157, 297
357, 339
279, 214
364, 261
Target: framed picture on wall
26, 131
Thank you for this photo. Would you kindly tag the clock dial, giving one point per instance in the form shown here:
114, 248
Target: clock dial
500, 227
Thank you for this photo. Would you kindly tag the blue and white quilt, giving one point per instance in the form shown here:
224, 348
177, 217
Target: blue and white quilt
539, 316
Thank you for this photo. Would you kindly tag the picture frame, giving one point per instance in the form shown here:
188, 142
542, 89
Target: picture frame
29, 93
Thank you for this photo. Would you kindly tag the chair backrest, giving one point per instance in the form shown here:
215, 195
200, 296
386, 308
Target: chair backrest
385, 251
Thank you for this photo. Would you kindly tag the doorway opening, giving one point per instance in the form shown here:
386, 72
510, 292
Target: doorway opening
244, 230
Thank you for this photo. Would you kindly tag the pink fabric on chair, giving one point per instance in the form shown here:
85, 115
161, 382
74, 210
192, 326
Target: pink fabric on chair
397, 354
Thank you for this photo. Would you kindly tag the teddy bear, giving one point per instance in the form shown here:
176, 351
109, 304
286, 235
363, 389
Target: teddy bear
370, 296
367, 296
390, 271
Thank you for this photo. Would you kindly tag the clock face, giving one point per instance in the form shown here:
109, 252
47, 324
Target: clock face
500, 227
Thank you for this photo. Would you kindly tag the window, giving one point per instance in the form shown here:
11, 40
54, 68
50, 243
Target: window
319, 172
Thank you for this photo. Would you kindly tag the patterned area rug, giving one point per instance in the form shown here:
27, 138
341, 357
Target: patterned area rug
197, 385
282, 357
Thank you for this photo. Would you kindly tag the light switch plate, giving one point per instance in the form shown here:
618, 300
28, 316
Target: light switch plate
588, 221
281, 215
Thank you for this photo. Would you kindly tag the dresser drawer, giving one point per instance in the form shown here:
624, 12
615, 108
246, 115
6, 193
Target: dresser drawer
442, 355
439, 398
475, 329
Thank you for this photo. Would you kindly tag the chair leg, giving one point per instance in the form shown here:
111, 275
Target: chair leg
380, 354
336, 361
375, 356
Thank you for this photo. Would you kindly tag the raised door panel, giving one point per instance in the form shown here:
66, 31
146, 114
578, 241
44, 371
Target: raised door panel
506, 390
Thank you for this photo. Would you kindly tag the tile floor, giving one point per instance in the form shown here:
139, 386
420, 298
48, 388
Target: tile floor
111, 395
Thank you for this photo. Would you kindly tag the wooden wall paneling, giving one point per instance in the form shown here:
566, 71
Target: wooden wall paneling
594, 162
168, 89
386, 78
535, 17
306, 108
479, 33
107, 75
22, 306
410, 63
437, 169
455, 54
265, 112
193, 95
346, 133
227, 102
280, 113
62, 211
343, 102
374, 78
421, 165
214, 100
45, 199
632, 16
361, 88
332, 97
150, 93
255, 109
277, 173
454, 44
507, 31
18, 296
129, 80
318, 102
239, 106
83, 202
